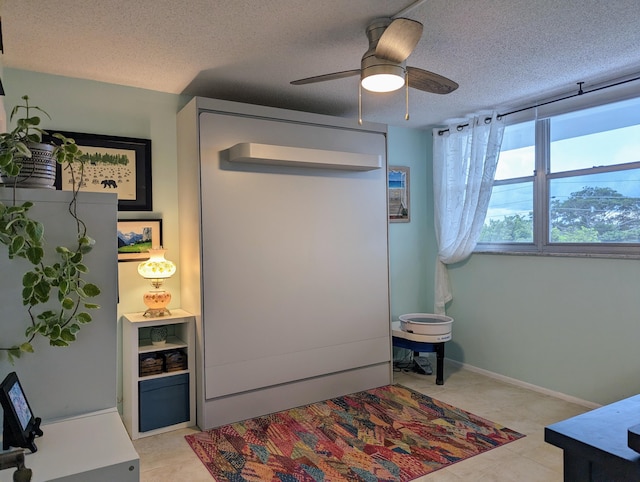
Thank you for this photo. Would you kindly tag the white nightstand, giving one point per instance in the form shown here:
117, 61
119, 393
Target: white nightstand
163, 400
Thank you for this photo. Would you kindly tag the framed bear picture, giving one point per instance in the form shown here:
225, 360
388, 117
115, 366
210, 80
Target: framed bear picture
114, 164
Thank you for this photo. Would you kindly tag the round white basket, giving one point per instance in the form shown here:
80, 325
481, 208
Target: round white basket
426, 323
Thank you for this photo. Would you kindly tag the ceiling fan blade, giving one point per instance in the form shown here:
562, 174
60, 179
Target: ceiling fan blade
322, 78
429, 82
399, 39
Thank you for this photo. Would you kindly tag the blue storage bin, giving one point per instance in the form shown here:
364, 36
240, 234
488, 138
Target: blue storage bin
163, 401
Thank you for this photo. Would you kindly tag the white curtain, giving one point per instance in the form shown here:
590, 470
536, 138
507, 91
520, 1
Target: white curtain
464, 167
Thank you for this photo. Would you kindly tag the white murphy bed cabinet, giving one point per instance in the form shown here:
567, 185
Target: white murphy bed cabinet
283, 256
73, 389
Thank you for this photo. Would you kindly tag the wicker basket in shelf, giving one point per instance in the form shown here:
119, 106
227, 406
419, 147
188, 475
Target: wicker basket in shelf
150, 364
175, 360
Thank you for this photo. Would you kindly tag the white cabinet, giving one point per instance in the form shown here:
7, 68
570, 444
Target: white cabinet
93, 446
158, 396
283, 256
80, 378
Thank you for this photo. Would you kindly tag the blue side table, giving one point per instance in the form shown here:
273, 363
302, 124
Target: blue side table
595, 444
411, 341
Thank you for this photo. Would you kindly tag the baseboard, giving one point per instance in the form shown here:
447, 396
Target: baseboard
520, 383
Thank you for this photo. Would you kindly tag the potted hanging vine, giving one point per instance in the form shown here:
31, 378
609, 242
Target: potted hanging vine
61, 284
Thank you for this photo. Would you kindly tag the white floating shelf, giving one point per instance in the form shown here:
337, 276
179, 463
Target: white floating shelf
302, 157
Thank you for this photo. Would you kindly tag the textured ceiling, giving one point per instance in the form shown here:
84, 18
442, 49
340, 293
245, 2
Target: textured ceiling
501, 52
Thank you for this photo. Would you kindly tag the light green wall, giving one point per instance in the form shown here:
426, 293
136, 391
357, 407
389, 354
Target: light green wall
411, 258
571, 325
567, 324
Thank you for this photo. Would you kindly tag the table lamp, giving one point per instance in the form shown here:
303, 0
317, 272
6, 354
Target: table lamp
156, 269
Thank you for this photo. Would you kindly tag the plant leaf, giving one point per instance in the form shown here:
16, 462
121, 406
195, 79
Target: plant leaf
35, 230
63, 287
23, 150
55, 331
34, 254
27, 297
26, 347
67, 336
5, 158
91, 290
41, 291
83, 317
30, 279
46, 315
16, 244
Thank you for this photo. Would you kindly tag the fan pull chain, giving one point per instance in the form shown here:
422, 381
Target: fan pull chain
406, 97
359, 103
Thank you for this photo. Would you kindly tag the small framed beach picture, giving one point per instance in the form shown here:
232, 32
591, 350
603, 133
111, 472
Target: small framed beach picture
136, 237
398, 192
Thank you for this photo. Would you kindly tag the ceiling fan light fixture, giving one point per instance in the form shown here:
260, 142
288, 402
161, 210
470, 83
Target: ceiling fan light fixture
382, 77
383, 82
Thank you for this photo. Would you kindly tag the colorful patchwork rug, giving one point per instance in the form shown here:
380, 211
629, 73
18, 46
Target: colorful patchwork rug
391, 433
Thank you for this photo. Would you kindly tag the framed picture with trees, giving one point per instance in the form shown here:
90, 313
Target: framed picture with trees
136, 237
115, 164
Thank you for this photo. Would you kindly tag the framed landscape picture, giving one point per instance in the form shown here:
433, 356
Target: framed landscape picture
115, 164
398, 192
136, 237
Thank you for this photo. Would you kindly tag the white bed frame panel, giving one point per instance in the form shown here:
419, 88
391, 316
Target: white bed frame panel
285, 266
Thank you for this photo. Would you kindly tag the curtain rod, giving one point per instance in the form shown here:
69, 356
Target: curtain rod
487, 120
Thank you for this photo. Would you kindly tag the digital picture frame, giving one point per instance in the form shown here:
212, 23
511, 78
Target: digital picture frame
20, 427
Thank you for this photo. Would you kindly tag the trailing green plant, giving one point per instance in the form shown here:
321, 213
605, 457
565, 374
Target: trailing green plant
61, 282
13, 144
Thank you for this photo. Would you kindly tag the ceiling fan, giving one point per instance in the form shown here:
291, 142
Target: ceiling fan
383, 66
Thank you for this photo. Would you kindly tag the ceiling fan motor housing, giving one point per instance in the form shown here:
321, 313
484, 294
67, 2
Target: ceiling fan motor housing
372, 65
376, 29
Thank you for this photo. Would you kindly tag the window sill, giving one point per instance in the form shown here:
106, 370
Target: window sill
561, 254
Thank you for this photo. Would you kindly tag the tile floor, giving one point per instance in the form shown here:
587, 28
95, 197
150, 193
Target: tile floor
168, 458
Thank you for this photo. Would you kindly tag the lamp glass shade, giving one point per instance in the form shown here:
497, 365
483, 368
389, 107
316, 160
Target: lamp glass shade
156, 267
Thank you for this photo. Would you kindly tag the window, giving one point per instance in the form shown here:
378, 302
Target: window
568, 184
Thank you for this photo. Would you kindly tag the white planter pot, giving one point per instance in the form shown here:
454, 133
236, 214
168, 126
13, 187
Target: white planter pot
37, 172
